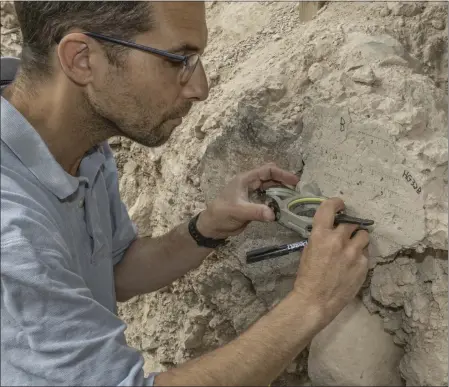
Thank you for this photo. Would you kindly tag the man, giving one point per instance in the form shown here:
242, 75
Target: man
69, 249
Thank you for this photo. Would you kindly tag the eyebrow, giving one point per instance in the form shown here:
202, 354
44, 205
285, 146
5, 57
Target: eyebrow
184, 47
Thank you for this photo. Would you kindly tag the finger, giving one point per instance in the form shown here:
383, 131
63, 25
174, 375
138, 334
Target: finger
360, 240
268, 184
256, 177
325, 214
253, 212
346, 229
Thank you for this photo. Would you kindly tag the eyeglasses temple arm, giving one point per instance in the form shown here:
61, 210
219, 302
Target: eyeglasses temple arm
179, 58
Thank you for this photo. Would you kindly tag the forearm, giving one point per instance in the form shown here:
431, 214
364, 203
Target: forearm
152, 263
259, 355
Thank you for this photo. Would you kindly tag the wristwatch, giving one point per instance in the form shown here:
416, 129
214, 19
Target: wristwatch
201, 240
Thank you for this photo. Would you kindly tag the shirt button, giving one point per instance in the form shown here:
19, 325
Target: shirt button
81, 203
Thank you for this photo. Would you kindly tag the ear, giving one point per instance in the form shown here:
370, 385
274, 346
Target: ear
75, 53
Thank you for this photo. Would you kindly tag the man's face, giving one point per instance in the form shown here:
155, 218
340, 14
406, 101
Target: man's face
145, 100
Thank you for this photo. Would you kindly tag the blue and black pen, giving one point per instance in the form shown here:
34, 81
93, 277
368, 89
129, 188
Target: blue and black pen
274, 251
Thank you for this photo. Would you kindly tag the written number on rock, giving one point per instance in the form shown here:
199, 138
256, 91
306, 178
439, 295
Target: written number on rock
412, 181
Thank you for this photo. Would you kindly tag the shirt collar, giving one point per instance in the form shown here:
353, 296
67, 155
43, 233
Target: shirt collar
20, 136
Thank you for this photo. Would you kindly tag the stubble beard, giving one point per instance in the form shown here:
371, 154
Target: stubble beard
154, 135
139, 126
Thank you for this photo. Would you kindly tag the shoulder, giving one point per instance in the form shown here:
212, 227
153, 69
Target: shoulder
28, 211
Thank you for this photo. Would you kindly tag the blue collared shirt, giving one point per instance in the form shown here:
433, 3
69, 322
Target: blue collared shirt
60, 239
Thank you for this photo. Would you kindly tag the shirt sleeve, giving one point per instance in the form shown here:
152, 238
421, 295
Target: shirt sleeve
124, 231
60, 334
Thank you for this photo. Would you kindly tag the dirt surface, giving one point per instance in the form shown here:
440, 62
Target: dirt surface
356, 102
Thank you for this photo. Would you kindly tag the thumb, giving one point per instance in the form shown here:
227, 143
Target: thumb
259, 212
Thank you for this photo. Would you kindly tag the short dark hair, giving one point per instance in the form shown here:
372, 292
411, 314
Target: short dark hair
44, 23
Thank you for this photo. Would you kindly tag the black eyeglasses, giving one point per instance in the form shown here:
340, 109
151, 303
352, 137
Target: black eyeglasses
189, 61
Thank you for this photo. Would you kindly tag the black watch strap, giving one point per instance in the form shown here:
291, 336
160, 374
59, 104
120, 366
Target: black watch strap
202, 240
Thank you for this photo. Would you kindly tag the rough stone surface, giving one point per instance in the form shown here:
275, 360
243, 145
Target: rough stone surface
11, 37
364, 75
406, 8
309, 102
373, 359
413, 290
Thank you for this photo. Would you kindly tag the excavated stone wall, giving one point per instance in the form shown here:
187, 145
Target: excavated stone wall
355, 102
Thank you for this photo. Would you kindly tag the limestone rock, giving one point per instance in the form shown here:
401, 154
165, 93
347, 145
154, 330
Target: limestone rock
438, 24
385, 11
308, 9
192, 336
364, 75
140, 212
316, 72
149, 343
416, 287
354, 350
130, 167
115, 141
405, 8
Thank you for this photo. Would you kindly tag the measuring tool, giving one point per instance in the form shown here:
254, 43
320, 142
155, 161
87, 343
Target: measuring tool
295, 211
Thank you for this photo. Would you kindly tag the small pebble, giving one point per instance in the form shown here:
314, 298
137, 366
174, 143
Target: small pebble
384, 12
291, 369
196, 181
438, 24
130, 167
316, 72
115, 141
364, 75
214, 76
199, 134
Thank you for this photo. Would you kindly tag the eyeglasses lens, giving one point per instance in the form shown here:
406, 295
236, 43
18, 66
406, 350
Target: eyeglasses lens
189, 68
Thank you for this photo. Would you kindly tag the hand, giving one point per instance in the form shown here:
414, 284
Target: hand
231, 212
333, 266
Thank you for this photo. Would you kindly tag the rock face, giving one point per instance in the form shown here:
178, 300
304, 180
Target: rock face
410, 293
355, 102
354, 350
11, 38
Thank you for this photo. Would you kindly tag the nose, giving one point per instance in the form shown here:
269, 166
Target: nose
197, 88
